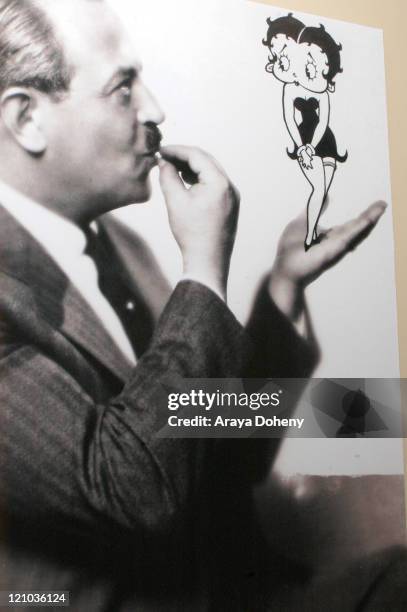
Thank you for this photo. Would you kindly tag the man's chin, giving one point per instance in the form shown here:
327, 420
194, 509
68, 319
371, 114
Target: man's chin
133, 192
142, 193
139, 192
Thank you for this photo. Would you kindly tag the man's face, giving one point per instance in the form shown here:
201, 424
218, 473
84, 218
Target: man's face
103, 136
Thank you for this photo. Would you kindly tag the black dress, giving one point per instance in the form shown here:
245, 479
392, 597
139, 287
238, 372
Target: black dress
327, 145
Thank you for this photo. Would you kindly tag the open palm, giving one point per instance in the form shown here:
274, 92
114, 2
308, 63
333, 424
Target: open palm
300, 267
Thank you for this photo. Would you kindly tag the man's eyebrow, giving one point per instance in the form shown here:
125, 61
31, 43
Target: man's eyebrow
311, 56
122, 74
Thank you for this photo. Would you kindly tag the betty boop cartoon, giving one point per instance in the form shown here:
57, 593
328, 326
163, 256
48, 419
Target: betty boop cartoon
306, 60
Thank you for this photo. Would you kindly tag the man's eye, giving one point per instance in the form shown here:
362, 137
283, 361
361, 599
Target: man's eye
311, 71
284, 63
124, 93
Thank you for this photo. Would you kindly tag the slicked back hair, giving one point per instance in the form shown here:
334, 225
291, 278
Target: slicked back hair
30, 54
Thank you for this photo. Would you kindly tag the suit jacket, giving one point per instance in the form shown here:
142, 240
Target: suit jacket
92, 501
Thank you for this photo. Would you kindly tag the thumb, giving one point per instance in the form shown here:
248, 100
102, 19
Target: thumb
170, 181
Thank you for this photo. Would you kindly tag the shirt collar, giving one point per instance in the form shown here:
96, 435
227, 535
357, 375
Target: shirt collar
60, 237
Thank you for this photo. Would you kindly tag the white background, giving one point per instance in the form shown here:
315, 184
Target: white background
204, 62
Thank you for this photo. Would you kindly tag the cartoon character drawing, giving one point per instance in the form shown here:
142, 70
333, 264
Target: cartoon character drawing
306, 60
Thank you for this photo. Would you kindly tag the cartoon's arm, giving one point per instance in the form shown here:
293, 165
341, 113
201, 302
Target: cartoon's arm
289, 117
324, 111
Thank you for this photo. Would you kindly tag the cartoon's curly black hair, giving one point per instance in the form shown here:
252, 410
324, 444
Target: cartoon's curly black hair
319, 36
289, 25
295, 29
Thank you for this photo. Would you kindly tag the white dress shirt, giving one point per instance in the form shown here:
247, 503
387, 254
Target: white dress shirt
66, 243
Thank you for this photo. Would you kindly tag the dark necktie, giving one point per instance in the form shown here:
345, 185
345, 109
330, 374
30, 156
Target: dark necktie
129, 307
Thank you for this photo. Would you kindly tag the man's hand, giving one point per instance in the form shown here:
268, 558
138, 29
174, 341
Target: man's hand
203, 217
294, 268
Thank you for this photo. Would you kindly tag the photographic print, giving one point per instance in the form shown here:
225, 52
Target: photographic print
195, 206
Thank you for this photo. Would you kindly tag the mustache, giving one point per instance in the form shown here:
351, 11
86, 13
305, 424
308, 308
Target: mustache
153, 138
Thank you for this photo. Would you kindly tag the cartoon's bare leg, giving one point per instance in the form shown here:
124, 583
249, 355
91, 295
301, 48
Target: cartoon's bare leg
316, 177
330, 169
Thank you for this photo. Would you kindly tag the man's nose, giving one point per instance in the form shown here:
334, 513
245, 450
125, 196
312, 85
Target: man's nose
149, 111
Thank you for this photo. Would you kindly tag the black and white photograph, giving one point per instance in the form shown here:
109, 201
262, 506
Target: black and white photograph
196, 190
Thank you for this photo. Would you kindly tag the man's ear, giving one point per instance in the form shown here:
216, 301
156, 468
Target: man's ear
20, 113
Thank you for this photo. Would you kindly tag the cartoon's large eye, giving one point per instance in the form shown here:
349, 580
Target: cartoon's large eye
272, 56
283, 63
311, 70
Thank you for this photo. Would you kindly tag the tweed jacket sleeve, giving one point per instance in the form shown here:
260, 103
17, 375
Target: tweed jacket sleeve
71, 454
279, 350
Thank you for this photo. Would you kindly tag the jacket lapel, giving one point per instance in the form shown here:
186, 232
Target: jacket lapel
58, 302
137, 265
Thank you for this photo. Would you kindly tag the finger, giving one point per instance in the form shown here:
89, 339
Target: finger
354, 230
347, 237
188, 175
170, 181
202, 164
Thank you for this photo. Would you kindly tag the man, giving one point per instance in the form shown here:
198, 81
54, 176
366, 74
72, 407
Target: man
92, 501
